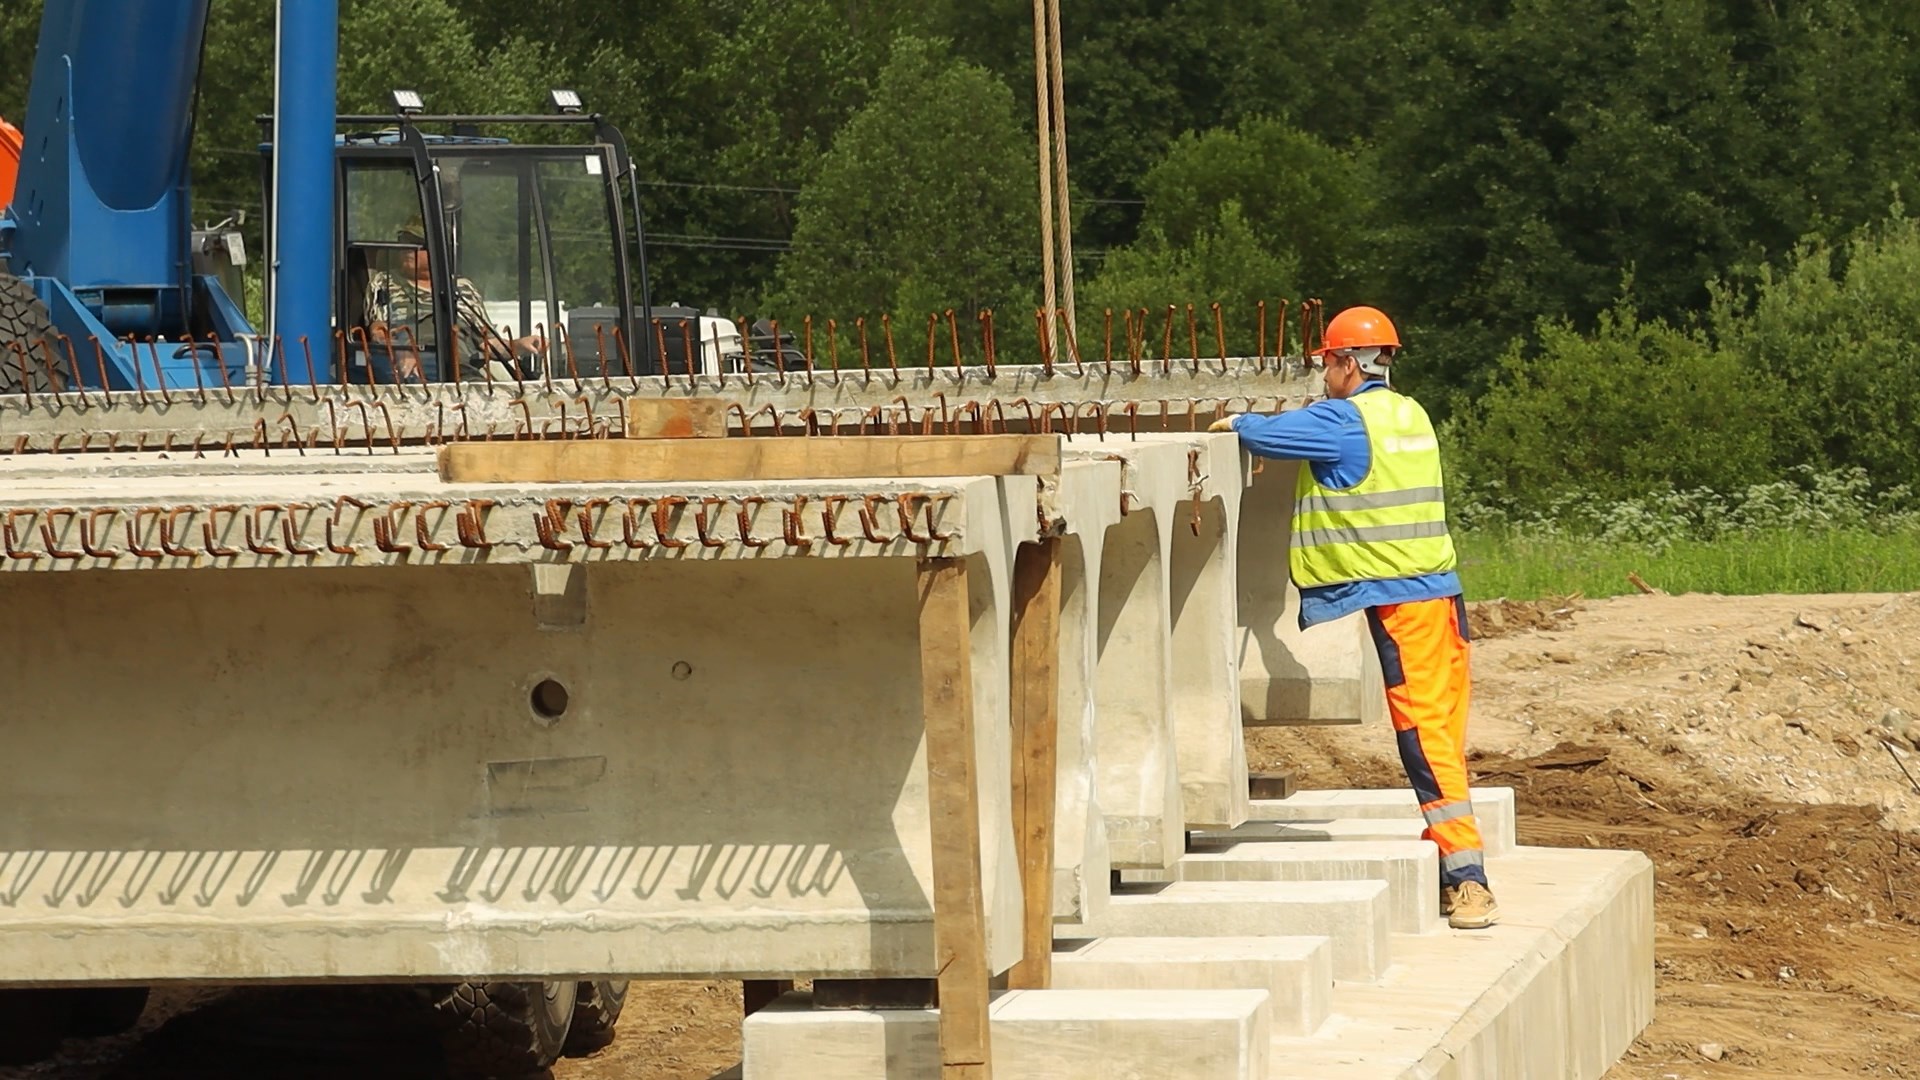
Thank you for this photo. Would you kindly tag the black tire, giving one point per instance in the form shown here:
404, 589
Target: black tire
595, 1012
24, 321
32, 1023
505, 1030
98, 1011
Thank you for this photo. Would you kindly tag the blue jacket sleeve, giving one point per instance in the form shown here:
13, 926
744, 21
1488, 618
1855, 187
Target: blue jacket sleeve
1310, 434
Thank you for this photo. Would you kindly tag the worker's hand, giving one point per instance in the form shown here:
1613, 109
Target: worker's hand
1225, 423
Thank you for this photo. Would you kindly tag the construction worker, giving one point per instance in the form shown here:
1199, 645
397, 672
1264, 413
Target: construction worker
1370, 534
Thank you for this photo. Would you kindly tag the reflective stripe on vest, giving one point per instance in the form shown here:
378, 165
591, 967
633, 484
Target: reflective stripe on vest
1393, 523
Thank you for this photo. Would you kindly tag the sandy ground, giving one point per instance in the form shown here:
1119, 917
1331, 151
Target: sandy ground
1753, 747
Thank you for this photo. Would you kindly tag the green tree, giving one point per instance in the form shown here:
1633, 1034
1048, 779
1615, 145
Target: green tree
1633, 407
1225, 261
1841, 342
923, 202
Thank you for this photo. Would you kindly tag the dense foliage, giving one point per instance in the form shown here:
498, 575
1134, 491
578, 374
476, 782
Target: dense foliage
1634, 245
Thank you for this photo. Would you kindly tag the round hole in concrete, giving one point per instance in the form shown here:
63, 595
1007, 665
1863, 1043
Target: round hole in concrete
682, 671
549, 699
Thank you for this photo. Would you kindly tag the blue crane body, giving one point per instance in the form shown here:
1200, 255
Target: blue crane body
101, 223
361, 212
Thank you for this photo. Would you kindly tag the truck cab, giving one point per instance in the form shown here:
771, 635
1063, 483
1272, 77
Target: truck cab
465, 255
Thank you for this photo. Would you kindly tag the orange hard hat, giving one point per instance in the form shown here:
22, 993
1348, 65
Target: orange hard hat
1359, 328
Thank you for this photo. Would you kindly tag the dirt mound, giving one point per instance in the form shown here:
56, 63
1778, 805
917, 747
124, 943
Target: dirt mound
1488, 619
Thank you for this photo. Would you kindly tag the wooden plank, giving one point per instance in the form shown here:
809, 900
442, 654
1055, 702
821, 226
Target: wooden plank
676, 418
818, 457
959, 909
876, 994
1270, 785
1036, 730
757, 994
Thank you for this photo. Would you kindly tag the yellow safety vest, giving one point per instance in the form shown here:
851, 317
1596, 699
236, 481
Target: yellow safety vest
1393, 523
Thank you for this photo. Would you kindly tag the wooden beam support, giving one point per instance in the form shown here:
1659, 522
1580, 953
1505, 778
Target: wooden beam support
1270, 785
959, 908
757, 994
1036, 730
676, 418
817, 457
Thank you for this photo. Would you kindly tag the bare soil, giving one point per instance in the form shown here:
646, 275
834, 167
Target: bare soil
1753, 747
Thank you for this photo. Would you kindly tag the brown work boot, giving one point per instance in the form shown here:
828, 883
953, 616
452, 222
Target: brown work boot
1469, 906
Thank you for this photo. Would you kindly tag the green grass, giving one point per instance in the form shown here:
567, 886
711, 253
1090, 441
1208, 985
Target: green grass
1775, 561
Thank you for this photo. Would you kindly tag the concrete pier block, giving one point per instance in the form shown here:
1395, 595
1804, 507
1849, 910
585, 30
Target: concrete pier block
1411, 869
1493, 806
1296, 972
1559, 989
1037, 1035
1353, 915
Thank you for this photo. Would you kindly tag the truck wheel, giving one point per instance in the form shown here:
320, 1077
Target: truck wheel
32, 1023
99, 1011
595, 1011
24, 322
505, 1030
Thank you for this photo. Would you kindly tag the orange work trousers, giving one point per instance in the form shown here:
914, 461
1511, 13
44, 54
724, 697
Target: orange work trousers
1424, 649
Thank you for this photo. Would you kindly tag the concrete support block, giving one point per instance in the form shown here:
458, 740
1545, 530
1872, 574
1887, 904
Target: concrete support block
1296, 972
1037, 1035
1326, 675
1205, 695
1493, 806
1353, 915
1168, 748
1136, 764
1081, 863
1411, 869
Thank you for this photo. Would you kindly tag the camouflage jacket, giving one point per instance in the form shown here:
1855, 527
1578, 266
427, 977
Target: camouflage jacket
406, 307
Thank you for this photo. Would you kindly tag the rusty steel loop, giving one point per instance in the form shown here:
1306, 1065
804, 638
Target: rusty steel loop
291, 536
1193, 336
386, 529
630, 523
750, 506
134, 531
422, 534
829, 515
166, 533
549, 533
50, 541
588, 536
471, 526
87, 526
939, 503
209, 531
1220, 335
255, 531
905, 505
790, 523
662, 525
333, 520
869, 525
14, 548
701, 524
